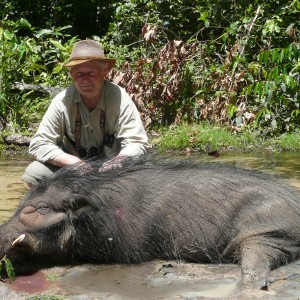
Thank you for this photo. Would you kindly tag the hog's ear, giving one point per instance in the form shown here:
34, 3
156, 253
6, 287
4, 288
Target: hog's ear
79, 203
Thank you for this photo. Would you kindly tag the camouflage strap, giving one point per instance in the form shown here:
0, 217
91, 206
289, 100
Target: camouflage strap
78, 128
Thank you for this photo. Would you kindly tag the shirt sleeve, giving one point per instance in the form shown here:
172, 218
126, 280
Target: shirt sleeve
47, 143
130, 130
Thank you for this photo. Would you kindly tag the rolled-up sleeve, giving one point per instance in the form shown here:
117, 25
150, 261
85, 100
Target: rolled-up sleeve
47, 143
130, 130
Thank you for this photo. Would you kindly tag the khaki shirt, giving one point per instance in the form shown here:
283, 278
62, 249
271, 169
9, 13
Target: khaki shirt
56, 133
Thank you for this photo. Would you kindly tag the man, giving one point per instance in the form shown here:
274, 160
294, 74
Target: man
91, 117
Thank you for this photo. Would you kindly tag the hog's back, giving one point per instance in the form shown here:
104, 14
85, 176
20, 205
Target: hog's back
203, 213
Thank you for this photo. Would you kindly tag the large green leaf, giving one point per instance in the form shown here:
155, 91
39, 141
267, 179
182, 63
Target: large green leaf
9, 269
25, 23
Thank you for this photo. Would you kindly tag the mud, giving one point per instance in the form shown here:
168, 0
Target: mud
153, 280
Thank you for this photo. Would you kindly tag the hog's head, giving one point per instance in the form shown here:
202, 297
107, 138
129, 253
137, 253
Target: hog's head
56, 221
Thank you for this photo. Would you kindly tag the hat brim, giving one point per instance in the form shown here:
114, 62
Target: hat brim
111, 62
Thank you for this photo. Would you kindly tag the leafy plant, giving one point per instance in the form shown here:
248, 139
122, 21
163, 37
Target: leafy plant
276, 89
160, 84
6, 265
230, 62
28, 64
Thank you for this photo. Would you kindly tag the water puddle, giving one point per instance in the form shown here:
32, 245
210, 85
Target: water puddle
156, 279
31, 283
145, 281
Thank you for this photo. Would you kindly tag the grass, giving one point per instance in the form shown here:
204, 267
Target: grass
205, 137
45, 297
53, 277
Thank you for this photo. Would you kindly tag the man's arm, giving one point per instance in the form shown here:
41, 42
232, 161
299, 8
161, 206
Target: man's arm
130, 130
64, 159
46, 144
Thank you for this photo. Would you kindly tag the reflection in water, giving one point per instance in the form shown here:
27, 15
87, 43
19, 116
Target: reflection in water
283, 164
11, 186
142, 281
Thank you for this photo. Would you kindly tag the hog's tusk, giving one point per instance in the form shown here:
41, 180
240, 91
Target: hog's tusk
18, 240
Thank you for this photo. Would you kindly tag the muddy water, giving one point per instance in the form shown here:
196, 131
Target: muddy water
11, 186
156, 279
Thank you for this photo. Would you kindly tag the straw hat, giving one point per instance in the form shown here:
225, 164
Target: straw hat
88, 50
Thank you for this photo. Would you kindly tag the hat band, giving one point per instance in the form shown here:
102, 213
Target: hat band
88, 58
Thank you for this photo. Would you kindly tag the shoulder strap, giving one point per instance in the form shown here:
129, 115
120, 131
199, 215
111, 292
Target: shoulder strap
102, 127
78, 127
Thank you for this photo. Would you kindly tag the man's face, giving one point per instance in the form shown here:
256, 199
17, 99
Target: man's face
88, 78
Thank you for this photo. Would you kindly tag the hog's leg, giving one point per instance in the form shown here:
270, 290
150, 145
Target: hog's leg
259, 255
255, 266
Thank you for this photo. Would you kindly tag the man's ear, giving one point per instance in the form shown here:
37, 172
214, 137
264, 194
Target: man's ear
105, 69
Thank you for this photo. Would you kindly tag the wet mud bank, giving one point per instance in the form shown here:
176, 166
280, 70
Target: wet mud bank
152, 280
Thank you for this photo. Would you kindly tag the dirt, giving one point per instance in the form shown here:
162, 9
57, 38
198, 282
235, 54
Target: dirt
149, 281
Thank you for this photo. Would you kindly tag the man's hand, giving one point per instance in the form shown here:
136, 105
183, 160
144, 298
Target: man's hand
113, 164
64, 159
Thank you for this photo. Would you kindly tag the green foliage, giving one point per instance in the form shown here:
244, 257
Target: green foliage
33, 60
289, 141
237, 63
5, 264
205, 137
276, 88
86, 18
217, 79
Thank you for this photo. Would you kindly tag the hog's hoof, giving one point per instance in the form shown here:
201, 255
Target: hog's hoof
256, 283
265, 287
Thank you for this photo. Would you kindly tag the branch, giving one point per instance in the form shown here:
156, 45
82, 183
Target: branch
249, 30
45, 90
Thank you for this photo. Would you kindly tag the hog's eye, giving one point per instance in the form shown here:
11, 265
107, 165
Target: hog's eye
43, 209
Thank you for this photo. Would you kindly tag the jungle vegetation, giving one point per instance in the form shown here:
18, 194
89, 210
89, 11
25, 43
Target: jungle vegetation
227, 62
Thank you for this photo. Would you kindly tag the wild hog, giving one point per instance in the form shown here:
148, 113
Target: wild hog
183, 211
